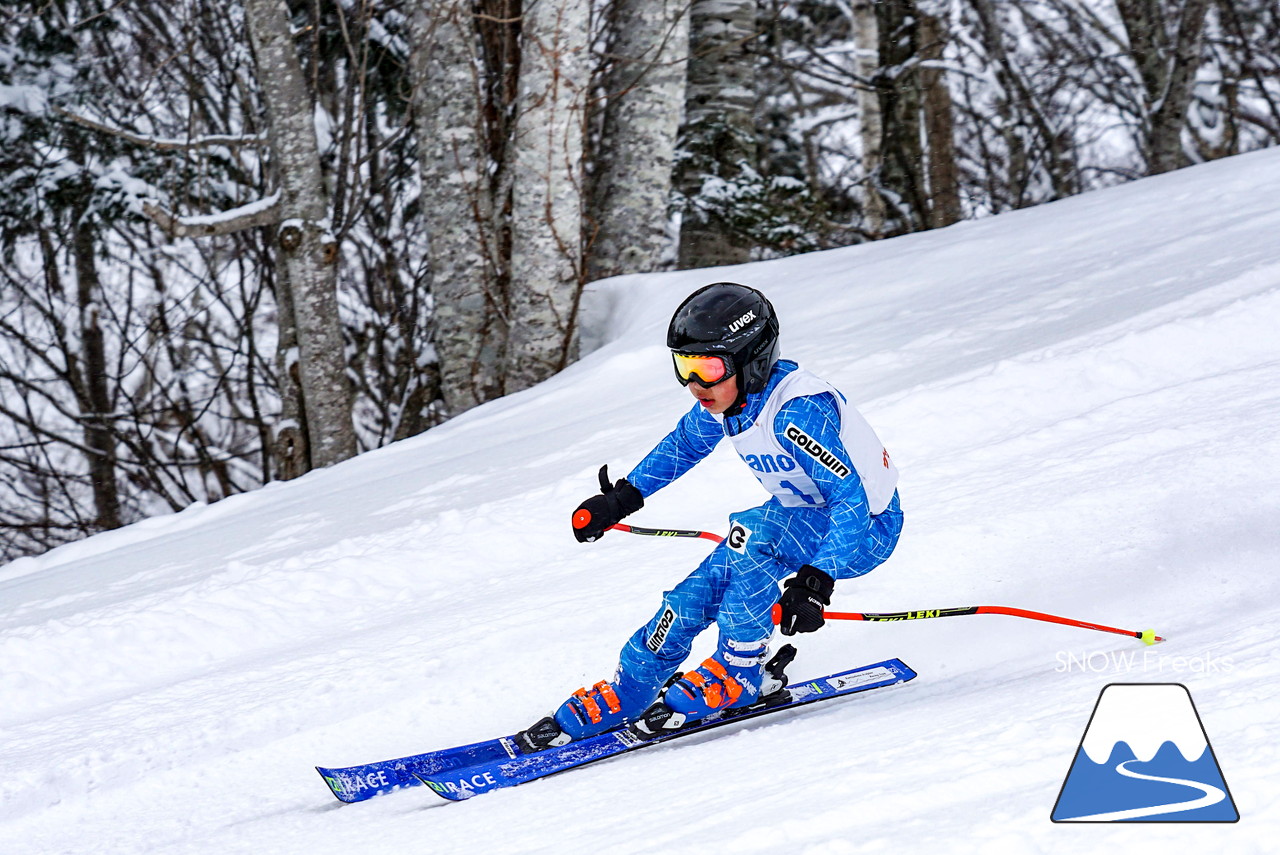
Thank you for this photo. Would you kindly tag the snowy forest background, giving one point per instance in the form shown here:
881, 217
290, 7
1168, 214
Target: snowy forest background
242, 240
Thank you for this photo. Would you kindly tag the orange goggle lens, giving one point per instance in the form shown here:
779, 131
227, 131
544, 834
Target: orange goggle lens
705, 370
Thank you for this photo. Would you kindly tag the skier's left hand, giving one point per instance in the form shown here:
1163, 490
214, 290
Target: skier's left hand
594, 516
803, 597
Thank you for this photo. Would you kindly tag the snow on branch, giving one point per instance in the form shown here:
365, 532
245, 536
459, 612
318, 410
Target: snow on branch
160, 144
263, 212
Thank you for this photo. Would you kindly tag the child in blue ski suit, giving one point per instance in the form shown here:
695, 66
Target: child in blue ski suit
833, 514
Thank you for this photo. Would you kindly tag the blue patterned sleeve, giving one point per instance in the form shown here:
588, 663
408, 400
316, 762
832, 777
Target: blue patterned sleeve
694, 438
819, 417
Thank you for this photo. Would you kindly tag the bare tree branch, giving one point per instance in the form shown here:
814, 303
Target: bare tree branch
158, 144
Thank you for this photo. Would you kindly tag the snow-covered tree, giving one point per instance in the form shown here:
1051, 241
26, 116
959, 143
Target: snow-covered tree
306, 243
545, 160
454, 171
468, 293
716, 170
644, 100
129, 385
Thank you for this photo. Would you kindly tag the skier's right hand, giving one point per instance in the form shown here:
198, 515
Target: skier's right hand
595, 515
803, 597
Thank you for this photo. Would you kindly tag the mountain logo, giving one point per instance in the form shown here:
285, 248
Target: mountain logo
1145, 757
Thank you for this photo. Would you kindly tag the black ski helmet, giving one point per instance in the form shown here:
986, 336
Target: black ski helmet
731, 320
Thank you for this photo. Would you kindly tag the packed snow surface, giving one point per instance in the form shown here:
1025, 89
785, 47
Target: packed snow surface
1084, 402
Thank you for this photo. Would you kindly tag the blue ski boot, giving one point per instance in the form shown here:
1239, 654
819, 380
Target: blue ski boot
732, 677
604, 706
690, 697
735, 676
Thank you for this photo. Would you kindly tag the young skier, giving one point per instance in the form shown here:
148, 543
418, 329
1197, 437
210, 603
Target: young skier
834, 514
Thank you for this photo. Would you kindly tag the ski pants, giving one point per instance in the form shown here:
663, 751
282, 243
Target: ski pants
736, 585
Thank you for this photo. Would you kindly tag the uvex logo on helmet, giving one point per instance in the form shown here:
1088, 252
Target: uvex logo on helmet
742, 321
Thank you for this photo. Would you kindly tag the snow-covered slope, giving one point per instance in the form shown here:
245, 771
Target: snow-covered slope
1082, 399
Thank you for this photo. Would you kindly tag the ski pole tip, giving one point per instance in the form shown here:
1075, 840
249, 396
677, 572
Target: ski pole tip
1148, 636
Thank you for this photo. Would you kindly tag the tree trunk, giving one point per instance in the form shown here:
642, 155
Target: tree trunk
1011, 104
469, 311
1171, 116
900, 104
307, 250
546, 171
866, 38
290, 447
944, 179
1252, 60
94, 398
626, 227
718, 139
1167, 64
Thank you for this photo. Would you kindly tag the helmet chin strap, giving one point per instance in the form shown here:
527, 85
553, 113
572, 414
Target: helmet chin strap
740, 402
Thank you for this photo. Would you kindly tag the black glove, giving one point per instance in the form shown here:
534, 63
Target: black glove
802, 600
596, 514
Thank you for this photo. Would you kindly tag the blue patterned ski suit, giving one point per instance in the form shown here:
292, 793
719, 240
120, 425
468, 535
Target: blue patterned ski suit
820, 514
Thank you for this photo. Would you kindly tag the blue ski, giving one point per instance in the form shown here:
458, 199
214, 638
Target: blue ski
458, 782
357, 783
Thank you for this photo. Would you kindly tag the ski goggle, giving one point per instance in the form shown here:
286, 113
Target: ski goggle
702, 369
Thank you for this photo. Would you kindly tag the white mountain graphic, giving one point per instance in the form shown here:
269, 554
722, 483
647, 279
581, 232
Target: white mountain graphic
1145, 716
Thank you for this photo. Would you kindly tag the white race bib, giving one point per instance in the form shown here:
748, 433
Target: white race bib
781, 474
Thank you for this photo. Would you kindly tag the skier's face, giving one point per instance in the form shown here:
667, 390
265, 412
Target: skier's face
719, 397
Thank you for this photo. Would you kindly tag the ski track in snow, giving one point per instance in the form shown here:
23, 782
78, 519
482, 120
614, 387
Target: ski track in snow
1081, 398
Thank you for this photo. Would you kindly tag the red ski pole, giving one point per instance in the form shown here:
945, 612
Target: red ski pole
1146, 636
